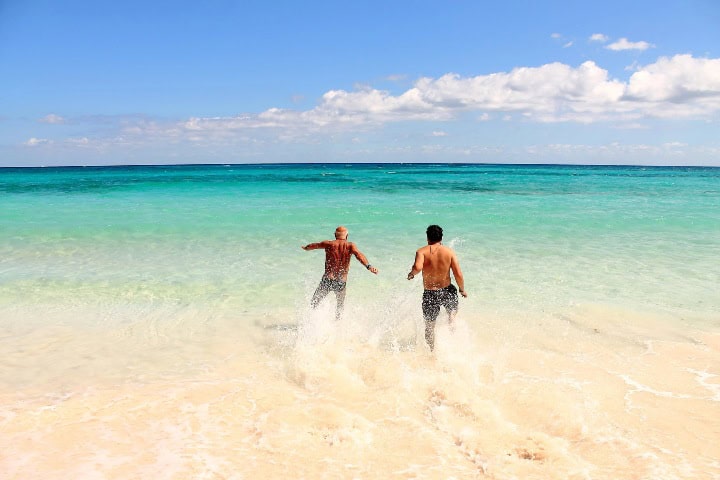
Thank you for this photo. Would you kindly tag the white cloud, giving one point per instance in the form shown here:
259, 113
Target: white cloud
632, 67
52, 118
550, 92
34, 142
671, 145
568, 44
78, 142
625, 44
439, 133
599, 37
682, 84
556, 35
677, 87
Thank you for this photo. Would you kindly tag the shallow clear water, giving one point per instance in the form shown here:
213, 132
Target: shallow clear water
154, 322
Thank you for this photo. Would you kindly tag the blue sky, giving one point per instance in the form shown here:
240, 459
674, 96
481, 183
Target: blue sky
94, 83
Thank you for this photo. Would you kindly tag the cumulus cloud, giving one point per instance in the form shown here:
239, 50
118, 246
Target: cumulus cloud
599, 37
552, 91
52, 118
681, 86
625, 44
684, 83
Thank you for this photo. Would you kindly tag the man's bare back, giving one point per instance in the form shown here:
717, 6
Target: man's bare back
436, 261
337, 257
337, 266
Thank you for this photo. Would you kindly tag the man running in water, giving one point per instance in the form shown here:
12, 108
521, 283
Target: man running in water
435, 262
337, 265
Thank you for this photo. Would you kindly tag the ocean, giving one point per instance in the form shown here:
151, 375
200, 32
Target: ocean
155, 323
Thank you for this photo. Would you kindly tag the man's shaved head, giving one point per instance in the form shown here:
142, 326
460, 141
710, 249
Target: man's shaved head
341, 233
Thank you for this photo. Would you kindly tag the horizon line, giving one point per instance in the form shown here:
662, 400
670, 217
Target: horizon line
285, 164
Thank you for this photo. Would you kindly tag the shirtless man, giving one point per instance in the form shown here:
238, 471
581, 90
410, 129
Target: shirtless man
337, 265
435, 262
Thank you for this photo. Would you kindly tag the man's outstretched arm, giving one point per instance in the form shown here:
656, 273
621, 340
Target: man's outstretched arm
362, 259
313, 246
457, 273
417, 266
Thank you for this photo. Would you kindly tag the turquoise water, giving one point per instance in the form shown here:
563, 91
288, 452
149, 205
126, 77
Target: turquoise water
154, 323
527, 235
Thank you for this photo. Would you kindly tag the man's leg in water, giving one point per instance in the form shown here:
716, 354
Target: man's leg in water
450, 301
340, 296
431, 310
451, 319
320, 293
430, 333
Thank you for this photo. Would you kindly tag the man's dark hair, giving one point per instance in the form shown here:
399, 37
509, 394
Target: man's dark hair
434, 233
